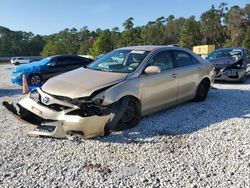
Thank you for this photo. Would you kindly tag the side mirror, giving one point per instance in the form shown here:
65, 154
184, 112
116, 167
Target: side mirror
51, 64
152, 70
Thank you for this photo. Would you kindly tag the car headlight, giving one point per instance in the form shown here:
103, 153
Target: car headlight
87, 100
238, 65
99, 101
34, 95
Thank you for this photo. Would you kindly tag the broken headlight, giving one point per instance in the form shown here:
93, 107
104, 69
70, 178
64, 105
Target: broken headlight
237, 64
87, 100
99, 101
34, 95
79, 101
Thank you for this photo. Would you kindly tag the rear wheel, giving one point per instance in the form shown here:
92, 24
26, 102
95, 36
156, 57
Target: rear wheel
127, 115
35, 79
202, 90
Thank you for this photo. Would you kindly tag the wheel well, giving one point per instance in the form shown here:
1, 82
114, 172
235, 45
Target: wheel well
138, 102
207, 81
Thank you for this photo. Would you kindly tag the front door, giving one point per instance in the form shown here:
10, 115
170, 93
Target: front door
159, 90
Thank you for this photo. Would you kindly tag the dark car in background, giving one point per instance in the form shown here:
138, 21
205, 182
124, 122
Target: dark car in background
231, 64
40, 71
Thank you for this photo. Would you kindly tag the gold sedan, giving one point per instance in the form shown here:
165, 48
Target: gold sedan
115, 91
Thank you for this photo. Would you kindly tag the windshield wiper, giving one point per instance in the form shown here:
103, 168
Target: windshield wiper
98, 69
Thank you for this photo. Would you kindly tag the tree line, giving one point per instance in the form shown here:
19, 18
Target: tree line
221, 26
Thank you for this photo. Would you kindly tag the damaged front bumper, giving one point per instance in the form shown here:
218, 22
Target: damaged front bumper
55, 119
229, 74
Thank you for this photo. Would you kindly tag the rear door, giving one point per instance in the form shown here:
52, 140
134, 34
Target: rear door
188, 70
159, 90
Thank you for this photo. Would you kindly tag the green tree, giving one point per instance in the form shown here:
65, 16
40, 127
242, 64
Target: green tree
190, 34
86, 45
153, 32
128, 24
130, 36
115, 37
235, 26
102, 44
212, 29
36, 45
53, 48
246, 41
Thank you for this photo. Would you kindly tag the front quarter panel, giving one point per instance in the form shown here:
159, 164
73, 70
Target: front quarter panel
128, 87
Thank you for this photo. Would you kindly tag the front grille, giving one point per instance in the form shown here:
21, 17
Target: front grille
37, 98
58, 107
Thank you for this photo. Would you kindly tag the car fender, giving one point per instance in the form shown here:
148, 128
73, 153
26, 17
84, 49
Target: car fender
118, 91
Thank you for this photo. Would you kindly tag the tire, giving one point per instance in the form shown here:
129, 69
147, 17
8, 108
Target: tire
35, 79
201, 92
17, 63
127, 115
243, 78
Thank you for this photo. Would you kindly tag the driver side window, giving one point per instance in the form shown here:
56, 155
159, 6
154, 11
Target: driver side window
60, 61
163, 60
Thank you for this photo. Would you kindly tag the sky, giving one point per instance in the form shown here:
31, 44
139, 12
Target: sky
50, 16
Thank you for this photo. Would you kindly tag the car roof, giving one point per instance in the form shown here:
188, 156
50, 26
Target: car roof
149, 47
53, 56
237, 48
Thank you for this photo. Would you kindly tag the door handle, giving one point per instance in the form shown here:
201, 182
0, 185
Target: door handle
174, 75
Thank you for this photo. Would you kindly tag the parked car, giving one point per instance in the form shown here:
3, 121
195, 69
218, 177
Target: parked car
231, 64
19, 60
38, 72
115, 91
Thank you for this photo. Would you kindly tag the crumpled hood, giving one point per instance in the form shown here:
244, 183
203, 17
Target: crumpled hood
81, 82
222, 62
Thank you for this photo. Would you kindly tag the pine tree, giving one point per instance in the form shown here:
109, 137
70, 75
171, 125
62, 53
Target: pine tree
246, 41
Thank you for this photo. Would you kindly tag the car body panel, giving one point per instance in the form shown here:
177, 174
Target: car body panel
27, 69
67, 100
157, 91
81, 82
92, 126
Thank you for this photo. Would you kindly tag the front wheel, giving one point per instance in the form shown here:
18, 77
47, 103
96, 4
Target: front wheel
243, 78
35, 79
202, 90
126, 115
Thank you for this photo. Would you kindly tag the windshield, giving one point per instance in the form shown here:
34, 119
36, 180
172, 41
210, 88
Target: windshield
231, 53
122, 61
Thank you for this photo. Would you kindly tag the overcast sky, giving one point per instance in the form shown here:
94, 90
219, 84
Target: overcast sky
51, 16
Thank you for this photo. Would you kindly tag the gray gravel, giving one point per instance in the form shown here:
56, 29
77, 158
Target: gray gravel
192, 145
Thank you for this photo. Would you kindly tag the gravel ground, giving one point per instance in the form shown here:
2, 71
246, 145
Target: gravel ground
192, 145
